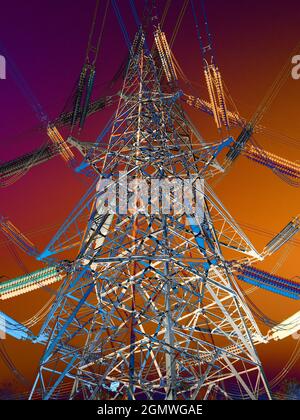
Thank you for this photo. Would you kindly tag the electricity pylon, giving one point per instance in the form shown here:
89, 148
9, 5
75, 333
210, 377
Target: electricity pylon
149, 308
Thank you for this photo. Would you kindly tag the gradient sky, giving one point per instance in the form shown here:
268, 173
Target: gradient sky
47, 40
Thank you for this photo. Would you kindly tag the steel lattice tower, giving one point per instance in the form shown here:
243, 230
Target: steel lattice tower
150, 309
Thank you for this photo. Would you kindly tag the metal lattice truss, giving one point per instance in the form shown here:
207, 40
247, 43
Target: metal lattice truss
149, 308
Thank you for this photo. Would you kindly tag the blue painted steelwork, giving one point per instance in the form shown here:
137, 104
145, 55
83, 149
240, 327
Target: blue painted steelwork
275, 289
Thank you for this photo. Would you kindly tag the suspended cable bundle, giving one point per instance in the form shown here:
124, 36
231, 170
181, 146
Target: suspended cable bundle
89, 89
14, 234
138, 42
286, 170
178, 22
13, 251
273, 162
11, 366
87, 76
282, 237
221, 97
205, 106
165, 12
40, 315
79, 94
265, 104
212, 73
58, 140
212, 95
14, 169
165, 55
216, 95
